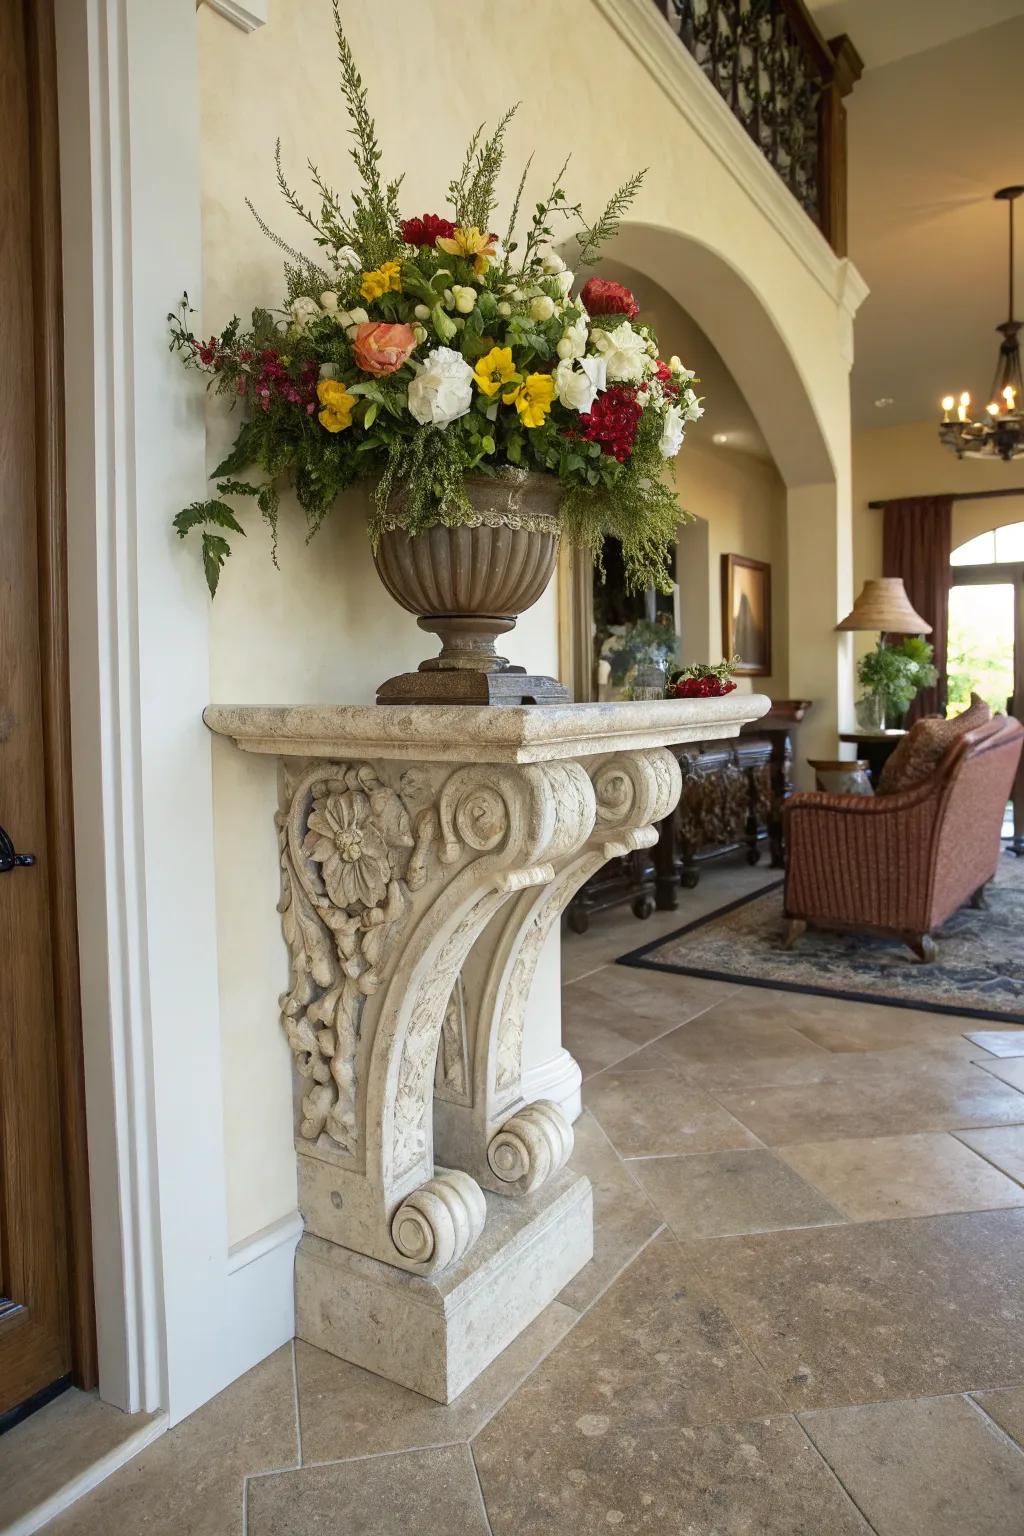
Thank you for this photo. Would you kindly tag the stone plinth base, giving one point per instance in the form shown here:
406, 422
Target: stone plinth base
455, 685
437, 1335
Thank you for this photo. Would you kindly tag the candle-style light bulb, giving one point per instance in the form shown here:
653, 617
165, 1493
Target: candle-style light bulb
947, 405
965, 398
1009, 395
993, 407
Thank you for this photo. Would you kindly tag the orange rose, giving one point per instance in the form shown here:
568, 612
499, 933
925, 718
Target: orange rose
381, 348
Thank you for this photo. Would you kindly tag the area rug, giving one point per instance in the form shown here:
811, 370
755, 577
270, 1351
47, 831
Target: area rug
979, 971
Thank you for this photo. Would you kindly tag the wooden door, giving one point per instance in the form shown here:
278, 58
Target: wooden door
45, 1302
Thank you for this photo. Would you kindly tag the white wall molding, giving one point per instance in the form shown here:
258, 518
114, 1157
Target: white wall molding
248, 16
176, 1323
678, 74
284, 1233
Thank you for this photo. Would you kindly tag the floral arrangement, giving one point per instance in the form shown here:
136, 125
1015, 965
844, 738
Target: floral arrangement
702, 680
630, 646
417, 350
895, 674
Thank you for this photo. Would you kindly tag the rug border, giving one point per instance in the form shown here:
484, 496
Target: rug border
636, 958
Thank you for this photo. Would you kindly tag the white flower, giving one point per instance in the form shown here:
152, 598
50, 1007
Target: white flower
328, 371
465, 299
329, 300
681, 373
541, 308
551, 262
350, 318
442, 390
565, 281
305, 312
671, 432
504, 309
625, 352
694, 410
422, 312
574, 339
579, 381
345, 256
419, 331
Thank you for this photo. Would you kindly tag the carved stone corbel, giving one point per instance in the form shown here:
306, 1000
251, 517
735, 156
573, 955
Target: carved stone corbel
482, 1121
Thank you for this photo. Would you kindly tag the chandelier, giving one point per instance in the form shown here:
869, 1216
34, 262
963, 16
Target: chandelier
1000, 432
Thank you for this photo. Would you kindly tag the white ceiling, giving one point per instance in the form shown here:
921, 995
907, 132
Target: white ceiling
931, 136
886, 30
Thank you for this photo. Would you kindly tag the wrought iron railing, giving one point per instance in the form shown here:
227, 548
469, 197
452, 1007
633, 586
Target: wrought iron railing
785, 84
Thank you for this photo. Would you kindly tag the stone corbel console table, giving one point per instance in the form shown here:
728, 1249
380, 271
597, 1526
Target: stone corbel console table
426, 853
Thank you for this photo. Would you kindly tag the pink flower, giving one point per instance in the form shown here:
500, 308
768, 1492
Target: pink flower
381, 348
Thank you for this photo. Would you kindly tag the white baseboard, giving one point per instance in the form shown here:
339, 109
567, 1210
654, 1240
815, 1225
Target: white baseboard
48, 1509
558, 1079
261, 1287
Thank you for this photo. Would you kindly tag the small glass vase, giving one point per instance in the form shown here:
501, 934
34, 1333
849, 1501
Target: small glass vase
870, 711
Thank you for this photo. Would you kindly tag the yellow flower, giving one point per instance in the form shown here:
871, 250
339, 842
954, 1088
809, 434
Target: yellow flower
494, 370
532, 398
337, 405
470, 244
386, 279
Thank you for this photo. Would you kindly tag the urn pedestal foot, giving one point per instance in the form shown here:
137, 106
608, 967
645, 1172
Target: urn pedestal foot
458, 685
435, 1334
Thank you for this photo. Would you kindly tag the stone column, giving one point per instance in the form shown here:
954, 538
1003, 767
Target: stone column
426, 854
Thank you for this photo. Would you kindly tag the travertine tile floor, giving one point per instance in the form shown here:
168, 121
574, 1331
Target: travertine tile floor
805, 1316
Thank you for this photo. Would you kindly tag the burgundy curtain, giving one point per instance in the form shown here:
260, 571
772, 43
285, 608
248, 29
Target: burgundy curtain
916, 543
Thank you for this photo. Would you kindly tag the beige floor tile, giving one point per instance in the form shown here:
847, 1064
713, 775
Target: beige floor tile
1009, 1070
579, 1478
653, 1351
653, 1114
849, 1314
730, 1047
871, 1178
56, 1445
933, 1467
419, 1493
1002, 1145
888, 1093
999, 1042
837, 1024
624, 1219
1006, 1406
189, 1482
717, 1194
346, 1412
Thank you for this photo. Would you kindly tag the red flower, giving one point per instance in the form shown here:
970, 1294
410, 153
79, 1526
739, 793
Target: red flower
425, 231
612, 421
702, 688
600, 296
663, 374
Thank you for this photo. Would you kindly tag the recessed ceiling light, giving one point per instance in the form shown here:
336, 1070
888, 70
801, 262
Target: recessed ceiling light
883, 401
720, 438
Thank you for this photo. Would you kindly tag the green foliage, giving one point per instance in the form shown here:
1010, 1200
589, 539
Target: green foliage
472, 196
605, 227
897, 673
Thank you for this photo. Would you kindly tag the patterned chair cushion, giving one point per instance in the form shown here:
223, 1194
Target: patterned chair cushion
926, 744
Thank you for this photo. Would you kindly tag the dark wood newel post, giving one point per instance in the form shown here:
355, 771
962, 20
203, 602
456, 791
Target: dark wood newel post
847, 70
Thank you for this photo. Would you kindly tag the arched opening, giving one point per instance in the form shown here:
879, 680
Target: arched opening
781, 428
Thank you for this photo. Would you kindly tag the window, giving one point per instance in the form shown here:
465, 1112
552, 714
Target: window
999, 546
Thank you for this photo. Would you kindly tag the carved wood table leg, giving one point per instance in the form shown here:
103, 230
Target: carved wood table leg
426, 853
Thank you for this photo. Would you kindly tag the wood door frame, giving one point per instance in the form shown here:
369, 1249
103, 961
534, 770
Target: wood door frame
51, 507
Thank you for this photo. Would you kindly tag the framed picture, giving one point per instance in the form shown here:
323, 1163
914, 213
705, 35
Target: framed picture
747, 614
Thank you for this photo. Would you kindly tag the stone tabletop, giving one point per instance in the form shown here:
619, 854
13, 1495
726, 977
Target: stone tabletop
446, 733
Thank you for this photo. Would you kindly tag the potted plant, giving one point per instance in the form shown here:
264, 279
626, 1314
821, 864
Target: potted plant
891, 677
492, 409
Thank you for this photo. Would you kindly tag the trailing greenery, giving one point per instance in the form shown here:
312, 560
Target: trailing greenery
415, 351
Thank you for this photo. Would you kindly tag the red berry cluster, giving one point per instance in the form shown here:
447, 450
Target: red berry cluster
274, 381
425, 231
702, 688
612, 421
601, 296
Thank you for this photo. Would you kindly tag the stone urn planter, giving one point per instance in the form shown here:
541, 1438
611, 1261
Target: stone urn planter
469, 584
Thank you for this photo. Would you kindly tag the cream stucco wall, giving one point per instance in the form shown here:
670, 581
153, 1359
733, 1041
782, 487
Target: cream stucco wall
322, 628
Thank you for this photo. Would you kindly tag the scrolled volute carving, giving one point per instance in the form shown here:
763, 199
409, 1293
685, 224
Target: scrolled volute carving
634, 790
532, 1145
439, 1221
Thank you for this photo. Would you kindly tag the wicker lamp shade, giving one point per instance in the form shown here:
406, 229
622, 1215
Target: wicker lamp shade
884, 605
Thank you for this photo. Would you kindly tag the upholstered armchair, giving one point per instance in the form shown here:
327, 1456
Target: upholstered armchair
902, 863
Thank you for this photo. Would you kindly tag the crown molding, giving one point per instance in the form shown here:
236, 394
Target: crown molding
248, 15
673, 68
